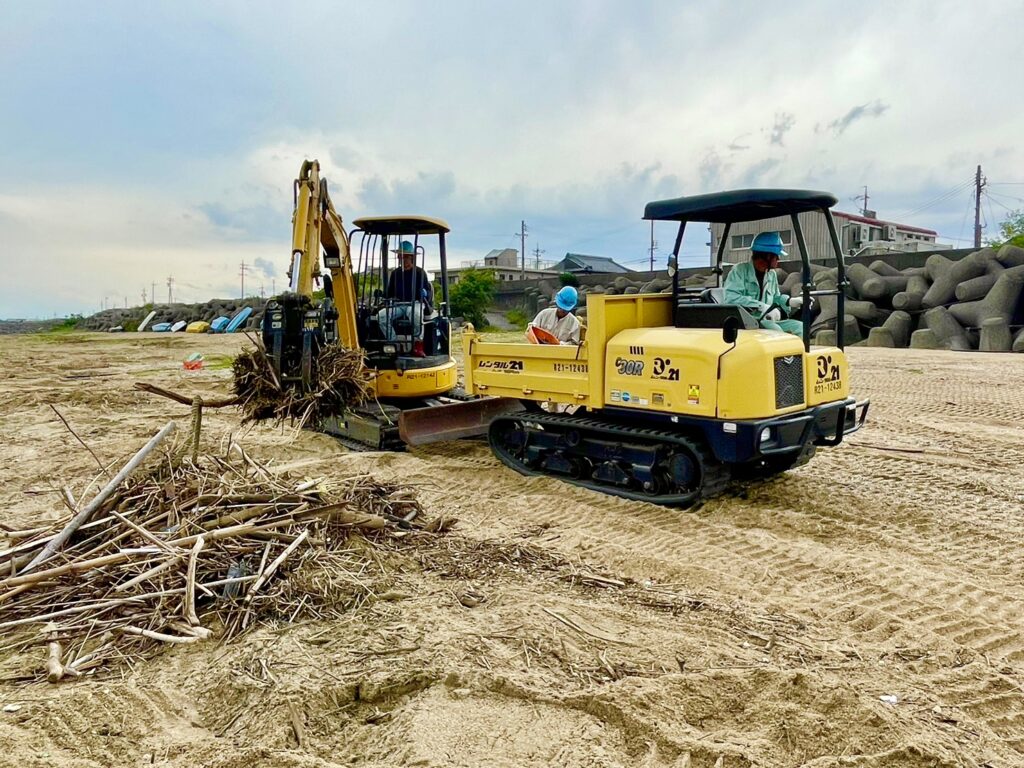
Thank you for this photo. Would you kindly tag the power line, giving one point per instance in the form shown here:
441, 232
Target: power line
947, 195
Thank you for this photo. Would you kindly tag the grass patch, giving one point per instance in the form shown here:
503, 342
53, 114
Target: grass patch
517, 318
218, 362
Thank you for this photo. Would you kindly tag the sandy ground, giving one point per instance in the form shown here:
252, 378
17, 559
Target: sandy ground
761, 629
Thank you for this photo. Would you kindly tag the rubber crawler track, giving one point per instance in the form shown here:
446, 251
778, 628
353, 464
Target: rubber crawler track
715, 476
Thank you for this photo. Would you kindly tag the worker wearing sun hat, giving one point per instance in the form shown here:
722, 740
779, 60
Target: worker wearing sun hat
559, 319
755, 286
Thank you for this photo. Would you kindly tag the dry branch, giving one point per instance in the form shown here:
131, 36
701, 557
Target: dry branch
173, 549
341, 380
58, 541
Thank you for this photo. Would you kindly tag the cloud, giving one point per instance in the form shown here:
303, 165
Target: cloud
784, 122
735, 146
874, 108
267, 268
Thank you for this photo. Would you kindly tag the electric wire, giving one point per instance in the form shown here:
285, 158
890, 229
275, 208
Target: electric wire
946, 196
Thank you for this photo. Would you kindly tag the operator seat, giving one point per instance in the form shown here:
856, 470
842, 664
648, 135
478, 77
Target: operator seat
712, 296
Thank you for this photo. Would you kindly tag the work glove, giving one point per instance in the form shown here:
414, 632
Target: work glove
797, 302
774, 314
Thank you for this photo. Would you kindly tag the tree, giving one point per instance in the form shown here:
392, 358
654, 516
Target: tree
1011, 231
471, 296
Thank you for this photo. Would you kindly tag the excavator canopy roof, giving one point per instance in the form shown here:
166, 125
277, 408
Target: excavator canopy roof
402, 225
739, 205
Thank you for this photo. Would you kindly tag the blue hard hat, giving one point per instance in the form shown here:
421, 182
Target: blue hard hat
406, 248
768, 242
566, 299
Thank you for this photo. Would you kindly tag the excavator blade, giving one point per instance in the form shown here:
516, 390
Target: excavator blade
439, 423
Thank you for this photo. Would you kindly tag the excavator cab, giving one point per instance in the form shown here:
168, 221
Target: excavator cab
402, 319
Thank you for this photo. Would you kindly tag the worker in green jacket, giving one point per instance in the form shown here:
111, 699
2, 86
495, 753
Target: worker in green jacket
755, 286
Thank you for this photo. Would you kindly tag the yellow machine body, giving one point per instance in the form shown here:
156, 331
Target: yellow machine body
633, 358
418, 383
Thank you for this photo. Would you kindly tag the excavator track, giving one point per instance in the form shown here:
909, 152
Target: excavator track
644, 464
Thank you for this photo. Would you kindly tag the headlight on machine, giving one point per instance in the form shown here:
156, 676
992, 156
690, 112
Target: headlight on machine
390, 349
766, 435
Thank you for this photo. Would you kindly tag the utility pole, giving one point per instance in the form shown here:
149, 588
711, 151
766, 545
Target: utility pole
143, 296
536, 256
864, 197
262, 294
241, 271
654, 244
979, 184
170, 284
522, 249
152, 293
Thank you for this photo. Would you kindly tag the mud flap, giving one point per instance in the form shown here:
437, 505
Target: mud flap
439, 423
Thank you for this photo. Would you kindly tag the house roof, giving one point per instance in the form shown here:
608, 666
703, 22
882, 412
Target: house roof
880, 222
579, 262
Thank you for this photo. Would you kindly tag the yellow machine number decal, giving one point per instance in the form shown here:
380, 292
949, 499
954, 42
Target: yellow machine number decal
829, 376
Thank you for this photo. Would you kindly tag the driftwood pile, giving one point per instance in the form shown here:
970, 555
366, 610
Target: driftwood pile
189, 549
341, 381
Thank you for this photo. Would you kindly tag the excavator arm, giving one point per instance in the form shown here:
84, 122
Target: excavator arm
295, 328
315, 225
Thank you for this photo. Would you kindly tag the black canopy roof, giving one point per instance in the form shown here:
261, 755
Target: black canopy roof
739, 205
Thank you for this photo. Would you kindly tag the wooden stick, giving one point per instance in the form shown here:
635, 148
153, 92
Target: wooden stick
184, 399
190, 584
103, 469
77, 567
58, 541
54, 670
275, 565
130, 630
155, 571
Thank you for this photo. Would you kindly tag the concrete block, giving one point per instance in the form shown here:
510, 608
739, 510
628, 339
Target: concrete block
1001, 300
883, 288
1011, 256
880, 337
857, 275
949, 333
825, 338
924, 338
978, 287
884, 269
909, 299
851, 331
898, 325
946, 275
995, 335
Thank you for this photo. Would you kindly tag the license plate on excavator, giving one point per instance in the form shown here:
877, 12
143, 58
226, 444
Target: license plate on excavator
439, 423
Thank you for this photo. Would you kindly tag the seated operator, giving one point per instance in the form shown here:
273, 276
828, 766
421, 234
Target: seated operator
559, 319
411, 290
755, 286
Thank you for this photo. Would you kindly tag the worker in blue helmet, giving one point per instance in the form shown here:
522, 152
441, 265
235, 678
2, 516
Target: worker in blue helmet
755, 286
559, 319
410, 300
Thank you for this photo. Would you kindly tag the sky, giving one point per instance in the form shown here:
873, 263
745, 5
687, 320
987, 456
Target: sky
141, 142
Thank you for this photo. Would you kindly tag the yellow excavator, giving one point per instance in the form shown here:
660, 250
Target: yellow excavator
383, 306
672, 396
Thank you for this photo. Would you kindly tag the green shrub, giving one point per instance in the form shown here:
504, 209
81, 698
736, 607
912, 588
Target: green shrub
568, 278
472, 295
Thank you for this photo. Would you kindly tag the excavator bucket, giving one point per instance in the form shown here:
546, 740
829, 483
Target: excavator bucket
439, 423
